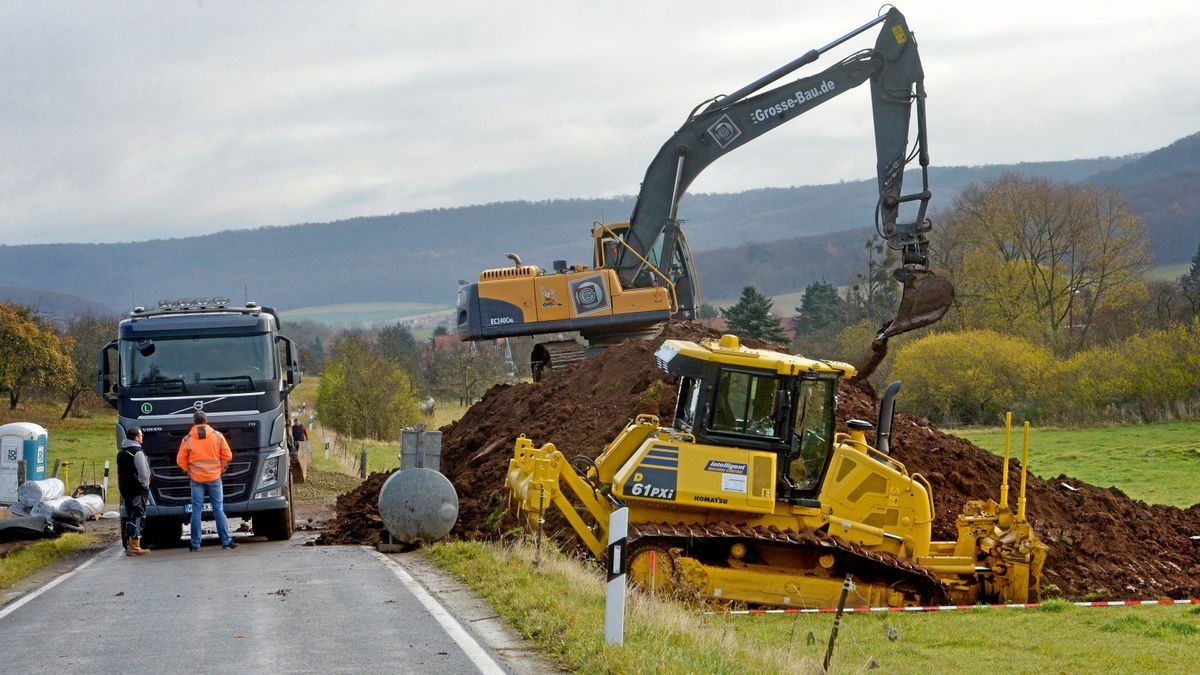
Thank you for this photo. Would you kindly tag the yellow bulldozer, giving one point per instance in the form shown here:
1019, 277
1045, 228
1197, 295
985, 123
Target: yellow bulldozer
750, 496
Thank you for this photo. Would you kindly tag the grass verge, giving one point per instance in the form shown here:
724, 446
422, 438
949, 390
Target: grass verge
19, 564
559, 607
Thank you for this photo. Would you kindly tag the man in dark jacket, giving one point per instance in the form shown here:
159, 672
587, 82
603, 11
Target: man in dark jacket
133, 478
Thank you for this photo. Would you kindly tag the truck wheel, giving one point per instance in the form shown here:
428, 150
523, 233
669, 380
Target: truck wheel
277, 525
162, 532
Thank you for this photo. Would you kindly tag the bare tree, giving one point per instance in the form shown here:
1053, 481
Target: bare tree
1058, 250
87, 333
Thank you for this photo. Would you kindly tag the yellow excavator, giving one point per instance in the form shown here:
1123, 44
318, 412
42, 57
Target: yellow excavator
750, 496
642, 272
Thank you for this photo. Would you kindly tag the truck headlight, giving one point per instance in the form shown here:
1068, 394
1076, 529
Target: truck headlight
270, 468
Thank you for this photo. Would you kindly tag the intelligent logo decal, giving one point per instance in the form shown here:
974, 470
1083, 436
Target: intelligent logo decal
797, 99
726, 467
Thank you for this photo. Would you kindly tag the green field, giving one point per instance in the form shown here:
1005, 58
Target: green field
1157, 463
84, 442
367, 314
559, 606
1170, 272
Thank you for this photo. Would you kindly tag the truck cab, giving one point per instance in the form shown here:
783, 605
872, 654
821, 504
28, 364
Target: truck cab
201, 354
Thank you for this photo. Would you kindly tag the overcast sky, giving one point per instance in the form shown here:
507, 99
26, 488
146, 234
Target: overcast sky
135, 120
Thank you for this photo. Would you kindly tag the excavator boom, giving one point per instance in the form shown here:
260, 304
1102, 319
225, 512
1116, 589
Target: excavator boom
649, 253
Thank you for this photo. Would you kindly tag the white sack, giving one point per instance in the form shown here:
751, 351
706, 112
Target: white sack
34, 491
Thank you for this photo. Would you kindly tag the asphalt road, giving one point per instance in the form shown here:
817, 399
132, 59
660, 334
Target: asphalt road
264, 607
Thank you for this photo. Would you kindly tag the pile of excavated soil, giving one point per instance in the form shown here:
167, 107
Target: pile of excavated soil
1102, 543
357, 515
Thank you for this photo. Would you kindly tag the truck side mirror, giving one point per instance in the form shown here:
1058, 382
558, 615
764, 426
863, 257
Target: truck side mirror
105, 386
291, 363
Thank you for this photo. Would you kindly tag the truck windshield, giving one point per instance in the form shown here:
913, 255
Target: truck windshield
195, 360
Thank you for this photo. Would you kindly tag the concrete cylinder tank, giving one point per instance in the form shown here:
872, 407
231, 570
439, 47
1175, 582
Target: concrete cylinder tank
418, 505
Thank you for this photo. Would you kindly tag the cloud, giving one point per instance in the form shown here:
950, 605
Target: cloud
136, 120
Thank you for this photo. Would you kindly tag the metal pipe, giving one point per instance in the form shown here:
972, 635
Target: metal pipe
808, 57
887, 411
1024, 472
1004, 470
678, 179
847, 585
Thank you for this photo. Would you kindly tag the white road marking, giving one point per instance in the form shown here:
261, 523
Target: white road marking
482, 660
23, 601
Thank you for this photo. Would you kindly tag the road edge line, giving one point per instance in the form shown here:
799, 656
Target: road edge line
21, 602
470, 646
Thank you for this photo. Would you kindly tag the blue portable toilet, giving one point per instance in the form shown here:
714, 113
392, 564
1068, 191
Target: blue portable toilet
20, 441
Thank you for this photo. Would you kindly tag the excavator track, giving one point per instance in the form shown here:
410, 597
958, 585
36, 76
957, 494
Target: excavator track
697, 552
554, 355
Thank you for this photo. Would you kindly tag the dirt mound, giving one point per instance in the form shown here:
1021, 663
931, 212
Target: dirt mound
357, 515
1101, 542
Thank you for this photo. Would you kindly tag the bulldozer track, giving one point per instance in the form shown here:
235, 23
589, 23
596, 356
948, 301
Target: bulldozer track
886, 565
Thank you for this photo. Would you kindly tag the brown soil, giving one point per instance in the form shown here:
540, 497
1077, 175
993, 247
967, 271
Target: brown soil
1102, 543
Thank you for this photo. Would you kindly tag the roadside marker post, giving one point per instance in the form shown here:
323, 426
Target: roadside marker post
614, 598
106, 463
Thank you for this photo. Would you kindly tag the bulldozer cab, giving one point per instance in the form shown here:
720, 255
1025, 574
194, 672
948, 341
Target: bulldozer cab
781, 403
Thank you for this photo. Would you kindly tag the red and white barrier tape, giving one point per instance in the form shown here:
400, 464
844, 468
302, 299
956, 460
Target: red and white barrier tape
946, 608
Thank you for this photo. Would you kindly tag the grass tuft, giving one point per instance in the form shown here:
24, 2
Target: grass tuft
1055, 605
16, 566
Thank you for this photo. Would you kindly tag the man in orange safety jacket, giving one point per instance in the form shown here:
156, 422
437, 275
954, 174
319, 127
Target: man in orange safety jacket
203, 456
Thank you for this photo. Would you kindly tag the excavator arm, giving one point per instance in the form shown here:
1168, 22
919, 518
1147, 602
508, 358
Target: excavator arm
723, 124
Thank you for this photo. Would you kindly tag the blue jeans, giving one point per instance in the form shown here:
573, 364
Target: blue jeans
216, 496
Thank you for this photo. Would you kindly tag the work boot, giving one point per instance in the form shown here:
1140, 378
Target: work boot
135, 547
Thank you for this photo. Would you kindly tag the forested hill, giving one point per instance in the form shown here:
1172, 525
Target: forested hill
1164, 187
420, 256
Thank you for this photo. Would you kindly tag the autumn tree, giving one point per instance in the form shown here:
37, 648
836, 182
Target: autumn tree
31, 354
87, 334
362, 394
751, 317
1047, 257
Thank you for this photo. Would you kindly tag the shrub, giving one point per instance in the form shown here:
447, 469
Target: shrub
971, 376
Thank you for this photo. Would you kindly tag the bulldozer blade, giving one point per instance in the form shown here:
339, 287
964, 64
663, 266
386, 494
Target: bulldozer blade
926, 299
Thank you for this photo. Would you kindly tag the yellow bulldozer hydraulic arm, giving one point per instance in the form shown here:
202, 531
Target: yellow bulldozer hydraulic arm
535, 481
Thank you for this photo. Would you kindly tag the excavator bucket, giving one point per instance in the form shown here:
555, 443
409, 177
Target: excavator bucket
925, 299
